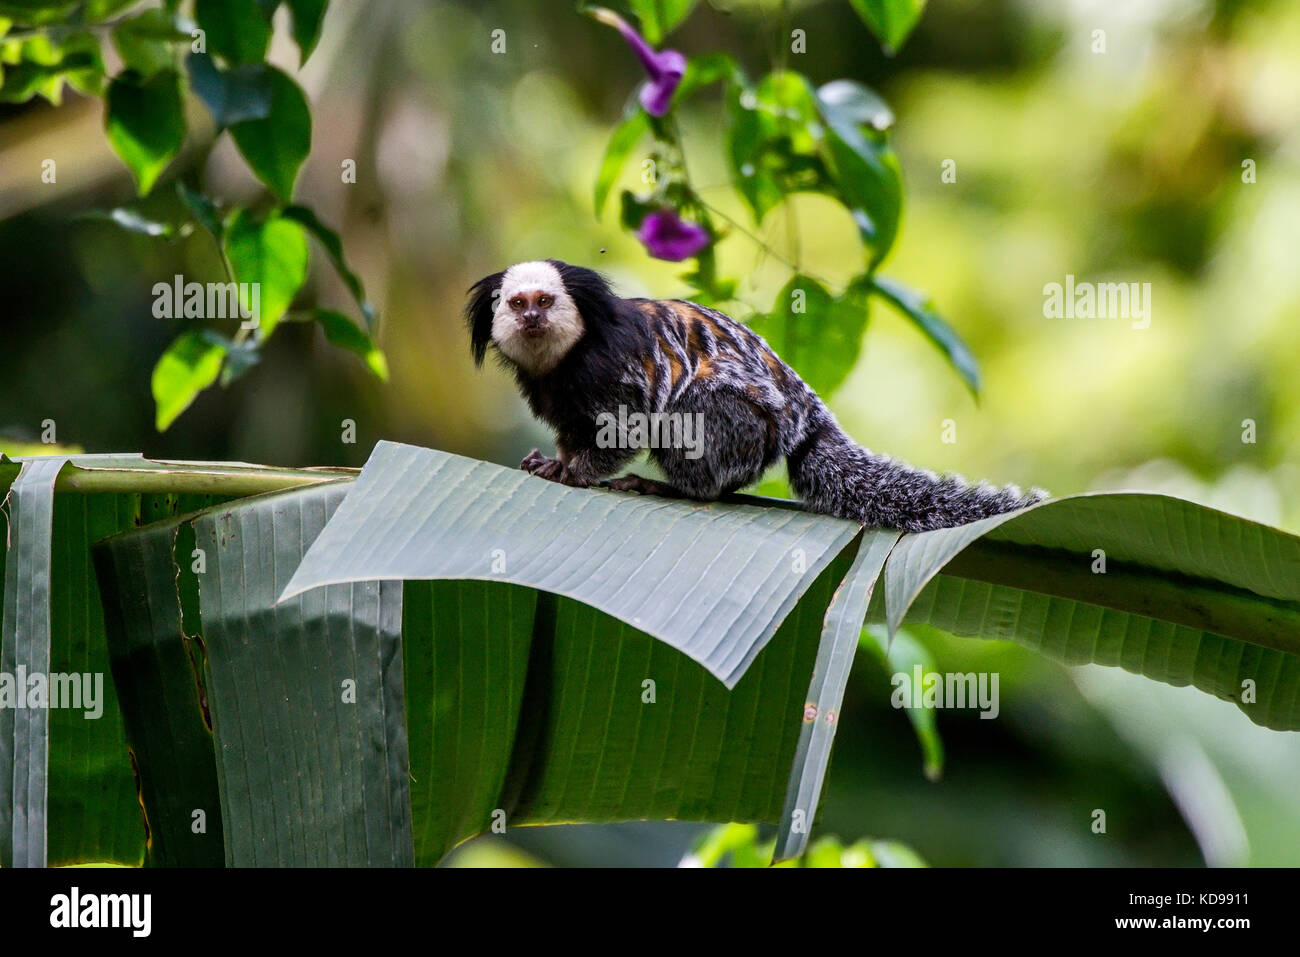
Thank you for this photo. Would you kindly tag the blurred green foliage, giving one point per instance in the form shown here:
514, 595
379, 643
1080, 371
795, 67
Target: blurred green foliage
740, 845
1125, 165
782, 136
163, 53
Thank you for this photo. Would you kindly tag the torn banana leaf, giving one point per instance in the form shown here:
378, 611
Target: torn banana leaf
839, 642
67, 790
1156, 585
291, 720
712, 580
553, 655
519, 707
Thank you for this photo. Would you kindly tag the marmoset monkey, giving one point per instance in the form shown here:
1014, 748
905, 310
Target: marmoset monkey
585, 358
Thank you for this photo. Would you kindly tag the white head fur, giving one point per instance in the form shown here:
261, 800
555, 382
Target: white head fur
563, 326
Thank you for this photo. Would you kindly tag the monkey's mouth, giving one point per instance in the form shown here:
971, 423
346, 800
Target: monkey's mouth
533, 330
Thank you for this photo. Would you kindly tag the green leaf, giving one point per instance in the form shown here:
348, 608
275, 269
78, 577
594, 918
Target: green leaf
622, 141
85, 65
916, 307
738, 846
508, 702
459, 501
145, 121
36, 12
149, 586
308, 15
321, 736
465, 660
276, 146
831, 852
817, 334
890, 20
96, 10
190, 364
856, 104
894, 854
901, 655
231, 96
534, 703
237, 30
585, 743
774, 140
68, 775
41, 65
343, 333
661, 17
271, 253
840, 632
25, 644
1188, 596
149, 41
712, 848
327, 758
334, 248
632, 210
865, 172
203, 209
783, 137
710, 288
241, 357
701, 71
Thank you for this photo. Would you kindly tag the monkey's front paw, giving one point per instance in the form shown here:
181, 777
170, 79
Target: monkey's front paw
553, 470
533, 461
550, 469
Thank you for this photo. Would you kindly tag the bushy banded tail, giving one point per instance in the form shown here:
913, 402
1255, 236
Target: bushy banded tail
836, 476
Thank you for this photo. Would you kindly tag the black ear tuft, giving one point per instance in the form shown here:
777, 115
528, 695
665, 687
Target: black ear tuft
590, 292
478, 313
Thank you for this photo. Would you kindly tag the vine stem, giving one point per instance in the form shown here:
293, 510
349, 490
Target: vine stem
60, 29
674, 131
765, 247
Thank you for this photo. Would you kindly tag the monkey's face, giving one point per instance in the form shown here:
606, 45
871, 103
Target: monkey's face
536, 321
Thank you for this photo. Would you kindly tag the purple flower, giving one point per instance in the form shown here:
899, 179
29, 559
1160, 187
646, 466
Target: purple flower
664, 67
667, 237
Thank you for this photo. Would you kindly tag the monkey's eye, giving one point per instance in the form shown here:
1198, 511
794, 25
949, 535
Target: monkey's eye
544, 301
517, 302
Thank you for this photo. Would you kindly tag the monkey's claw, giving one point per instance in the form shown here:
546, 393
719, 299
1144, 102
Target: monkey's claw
533, 461
553, 470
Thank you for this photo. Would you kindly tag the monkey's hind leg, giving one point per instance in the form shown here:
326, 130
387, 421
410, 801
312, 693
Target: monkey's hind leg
645, 486
735, 443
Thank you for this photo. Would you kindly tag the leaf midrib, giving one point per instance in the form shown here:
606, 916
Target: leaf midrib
1133, 589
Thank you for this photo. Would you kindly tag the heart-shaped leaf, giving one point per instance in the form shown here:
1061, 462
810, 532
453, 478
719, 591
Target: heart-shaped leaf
145, 120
